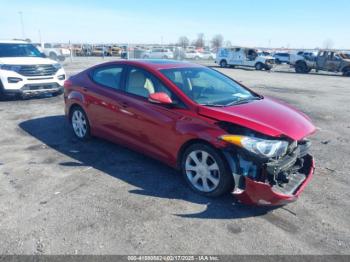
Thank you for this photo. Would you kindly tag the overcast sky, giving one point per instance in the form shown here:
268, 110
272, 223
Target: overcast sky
269, 23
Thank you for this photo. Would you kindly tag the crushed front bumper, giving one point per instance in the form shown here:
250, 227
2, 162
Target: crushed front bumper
260, 193
274, 182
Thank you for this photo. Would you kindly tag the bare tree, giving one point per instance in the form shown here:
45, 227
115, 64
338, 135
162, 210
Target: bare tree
217, 41
200, 41
184, 41
328, 43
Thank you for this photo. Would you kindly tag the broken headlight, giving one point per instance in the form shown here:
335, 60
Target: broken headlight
261, 147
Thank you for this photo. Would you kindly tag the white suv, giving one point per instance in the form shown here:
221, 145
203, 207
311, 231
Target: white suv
24, 71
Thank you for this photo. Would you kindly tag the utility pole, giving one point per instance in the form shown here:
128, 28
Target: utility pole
22, 24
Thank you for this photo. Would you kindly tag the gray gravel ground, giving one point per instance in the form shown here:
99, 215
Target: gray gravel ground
61, 196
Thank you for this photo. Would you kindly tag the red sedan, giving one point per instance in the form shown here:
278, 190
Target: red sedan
221, 135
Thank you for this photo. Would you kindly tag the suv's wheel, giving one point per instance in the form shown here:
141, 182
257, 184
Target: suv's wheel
223, 63
259, 66
2, 93
53, 56
80, 123
58, 93
206, 171
346, 71
301, 67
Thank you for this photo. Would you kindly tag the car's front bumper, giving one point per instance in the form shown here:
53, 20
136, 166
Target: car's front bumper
260, 193
35, 90
274, 182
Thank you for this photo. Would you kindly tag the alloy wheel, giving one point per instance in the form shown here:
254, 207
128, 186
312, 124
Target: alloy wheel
79, 124
202, 171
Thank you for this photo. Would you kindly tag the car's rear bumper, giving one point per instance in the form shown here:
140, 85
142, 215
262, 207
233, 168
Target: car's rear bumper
259, 193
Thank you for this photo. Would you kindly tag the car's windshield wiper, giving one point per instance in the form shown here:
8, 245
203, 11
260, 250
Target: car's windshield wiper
213, 105
243, 100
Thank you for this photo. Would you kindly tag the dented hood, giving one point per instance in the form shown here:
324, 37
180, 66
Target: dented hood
267, 116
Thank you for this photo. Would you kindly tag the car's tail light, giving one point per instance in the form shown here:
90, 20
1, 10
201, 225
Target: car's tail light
68, 83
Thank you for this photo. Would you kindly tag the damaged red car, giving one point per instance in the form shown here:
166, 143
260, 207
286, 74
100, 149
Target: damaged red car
221, 135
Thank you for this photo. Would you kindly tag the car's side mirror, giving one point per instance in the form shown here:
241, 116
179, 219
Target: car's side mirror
160, 98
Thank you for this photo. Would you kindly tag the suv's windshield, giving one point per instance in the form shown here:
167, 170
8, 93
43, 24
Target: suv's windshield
19, 50
208, 87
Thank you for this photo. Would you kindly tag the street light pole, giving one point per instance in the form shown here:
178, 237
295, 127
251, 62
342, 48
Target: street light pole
22, 23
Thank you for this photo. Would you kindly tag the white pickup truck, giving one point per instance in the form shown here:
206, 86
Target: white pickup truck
25, 72
54, 51
246, 57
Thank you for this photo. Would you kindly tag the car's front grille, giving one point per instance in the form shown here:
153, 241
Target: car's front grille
37, 70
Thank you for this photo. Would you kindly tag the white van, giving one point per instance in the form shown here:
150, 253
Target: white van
246, 57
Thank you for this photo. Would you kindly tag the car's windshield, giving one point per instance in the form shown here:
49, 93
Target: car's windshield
208, 87
19, 50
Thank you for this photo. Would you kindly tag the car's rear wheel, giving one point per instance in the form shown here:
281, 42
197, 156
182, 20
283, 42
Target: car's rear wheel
259, 66
206, 171
346, 72
80, 123
223, 63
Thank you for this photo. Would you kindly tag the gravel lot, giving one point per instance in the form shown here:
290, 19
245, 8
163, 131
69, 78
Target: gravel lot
61, 196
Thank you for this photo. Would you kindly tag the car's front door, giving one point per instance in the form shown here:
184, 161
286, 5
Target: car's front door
151, 127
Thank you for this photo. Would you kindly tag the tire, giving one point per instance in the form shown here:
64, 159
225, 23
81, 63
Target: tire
223, 63
58, 93
78, 113
146, 57
346, 72
2, 93
259, 66
301, 68
195, 169
53, 56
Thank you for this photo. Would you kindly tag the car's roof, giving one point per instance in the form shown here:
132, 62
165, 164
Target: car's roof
159, 64
13, 42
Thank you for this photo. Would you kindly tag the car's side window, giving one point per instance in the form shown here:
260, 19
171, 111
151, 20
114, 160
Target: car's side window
108, 76
141, 83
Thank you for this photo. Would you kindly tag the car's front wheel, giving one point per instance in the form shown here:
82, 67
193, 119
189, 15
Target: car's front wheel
80, 123
206, 171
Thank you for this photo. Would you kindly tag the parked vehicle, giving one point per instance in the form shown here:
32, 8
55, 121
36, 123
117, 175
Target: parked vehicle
325, 60
208, 55
113, 50
24, 71
99, 51
220, 134
158, 53
55, 52
281, 58
241, 56
82, 50
192, 54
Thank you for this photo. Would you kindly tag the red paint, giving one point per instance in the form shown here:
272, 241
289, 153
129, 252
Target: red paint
160, 131
160, 98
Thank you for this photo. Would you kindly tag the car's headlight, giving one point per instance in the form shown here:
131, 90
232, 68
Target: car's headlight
261, 147
15, 68
57, 66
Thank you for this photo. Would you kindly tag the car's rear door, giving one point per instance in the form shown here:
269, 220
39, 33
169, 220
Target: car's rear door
103, 94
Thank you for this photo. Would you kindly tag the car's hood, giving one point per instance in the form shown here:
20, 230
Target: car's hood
26, 61
267, 116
